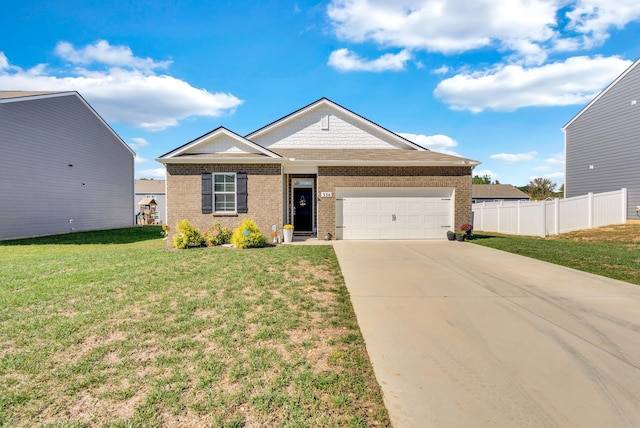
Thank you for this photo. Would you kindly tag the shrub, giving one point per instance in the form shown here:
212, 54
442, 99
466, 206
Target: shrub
217, 235
187, 235
248, 235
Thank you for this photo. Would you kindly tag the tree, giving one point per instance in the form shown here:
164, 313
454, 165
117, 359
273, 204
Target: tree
541, 188
485, 179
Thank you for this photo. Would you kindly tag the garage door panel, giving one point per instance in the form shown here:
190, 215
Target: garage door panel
395, 218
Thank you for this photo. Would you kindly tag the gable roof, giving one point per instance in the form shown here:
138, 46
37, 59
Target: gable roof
601, 94
325, 102
195, 147
224, 146
147, 201
20, 96
496, 191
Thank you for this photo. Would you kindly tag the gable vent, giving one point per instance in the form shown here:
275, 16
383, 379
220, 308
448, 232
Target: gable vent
325, 122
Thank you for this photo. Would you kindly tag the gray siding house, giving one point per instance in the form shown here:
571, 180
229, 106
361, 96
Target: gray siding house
602, 142
62, 167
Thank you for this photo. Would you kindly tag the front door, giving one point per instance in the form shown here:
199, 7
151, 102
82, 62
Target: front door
303, 209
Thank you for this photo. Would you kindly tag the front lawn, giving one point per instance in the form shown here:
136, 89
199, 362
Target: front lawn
112, 329
612, 251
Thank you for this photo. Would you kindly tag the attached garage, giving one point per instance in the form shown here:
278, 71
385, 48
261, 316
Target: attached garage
394, 213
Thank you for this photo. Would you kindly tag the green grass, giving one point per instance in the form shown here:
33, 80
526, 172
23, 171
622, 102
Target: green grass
112, 329
612, 251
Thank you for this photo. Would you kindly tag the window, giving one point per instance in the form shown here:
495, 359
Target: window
224, 192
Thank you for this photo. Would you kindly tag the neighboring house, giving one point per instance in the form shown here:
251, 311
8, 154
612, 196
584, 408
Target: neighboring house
153, 189
62, 167
496, 193
602, 142
324, 169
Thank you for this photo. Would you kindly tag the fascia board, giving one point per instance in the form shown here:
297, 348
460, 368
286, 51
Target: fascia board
204, 160
382, 163
292, 161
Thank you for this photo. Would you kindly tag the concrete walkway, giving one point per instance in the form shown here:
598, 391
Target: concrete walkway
465, 336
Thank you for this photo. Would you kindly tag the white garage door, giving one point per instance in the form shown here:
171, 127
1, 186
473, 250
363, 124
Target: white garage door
391, 217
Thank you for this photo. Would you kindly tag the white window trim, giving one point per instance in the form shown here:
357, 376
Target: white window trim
234, 192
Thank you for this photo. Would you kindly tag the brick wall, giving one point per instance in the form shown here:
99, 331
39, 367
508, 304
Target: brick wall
331, 177
264, 195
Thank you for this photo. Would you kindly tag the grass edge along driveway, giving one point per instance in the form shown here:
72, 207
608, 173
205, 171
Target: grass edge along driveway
112, 329
611, 251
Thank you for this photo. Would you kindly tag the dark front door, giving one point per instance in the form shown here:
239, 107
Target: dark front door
303, 209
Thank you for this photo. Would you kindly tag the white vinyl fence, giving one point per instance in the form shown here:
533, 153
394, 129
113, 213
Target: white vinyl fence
551, 217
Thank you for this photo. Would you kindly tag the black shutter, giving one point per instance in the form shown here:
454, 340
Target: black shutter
207, 193
241, 181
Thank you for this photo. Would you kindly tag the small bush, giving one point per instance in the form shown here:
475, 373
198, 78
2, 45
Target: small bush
217, 235
187, 235
248, 235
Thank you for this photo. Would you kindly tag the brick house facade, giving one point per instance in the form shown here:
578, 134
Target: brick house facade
302, 169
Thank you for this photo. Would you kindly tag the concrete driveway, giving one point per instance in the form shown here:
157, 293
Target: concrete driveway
465, 336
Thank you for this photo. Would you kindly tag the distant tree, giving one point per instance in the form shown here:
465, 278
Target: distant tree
541, 188
485, 179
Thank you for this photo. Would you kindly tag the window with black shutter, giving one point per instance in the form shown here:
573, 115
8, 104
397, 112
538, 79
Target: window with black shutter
224, 192
241, 179
207, 193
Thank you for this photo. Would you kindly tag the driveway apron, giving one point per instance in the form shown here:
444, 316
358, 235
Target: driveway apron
461, 335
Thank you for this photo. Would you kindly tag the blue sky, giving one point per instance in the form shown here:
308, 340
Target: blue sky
490, 80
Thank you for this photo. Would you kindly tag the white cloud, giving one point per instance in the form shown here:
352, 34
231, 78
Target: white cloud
159, 173
131, 96
524, 31
138, 159
556, 159
138, 143
514, 157
101, 52
441, 70
438, 143
594, 18
552, 176
506, 88
482, 172
345, 60
4, 63
439, 26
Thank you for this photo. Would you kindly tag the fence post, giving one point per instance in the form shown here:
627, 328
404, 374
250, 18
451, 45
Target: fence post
556, 215
624, 204
543, 205
590, 210
518, 219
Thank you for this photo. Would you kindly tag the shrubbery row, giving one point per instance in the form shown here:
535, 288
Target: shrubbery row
247, 235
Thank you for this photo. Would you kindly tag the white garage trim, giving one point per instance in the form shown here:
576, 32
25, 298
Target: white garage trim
394, 213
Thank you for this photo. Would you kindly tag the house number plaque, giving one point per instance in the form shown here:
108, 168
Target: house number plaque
326, 195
